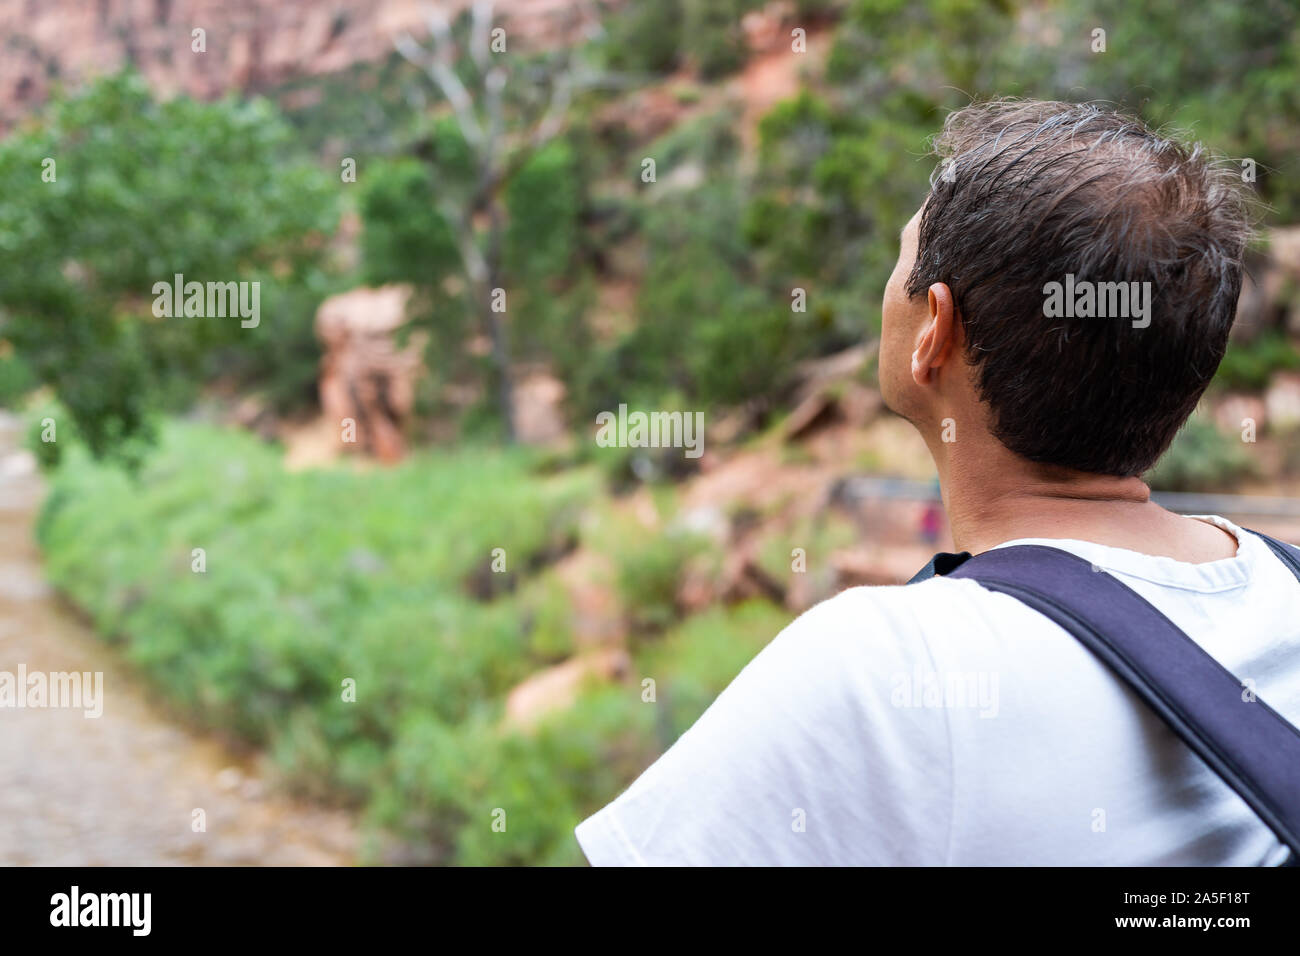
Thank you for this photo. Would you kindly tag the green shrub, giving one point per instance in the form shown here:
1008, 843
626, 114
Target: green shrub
317, 577
1251, 365
404, 239
446, 784
653, 36
16, 380
712, 35
139, 191
543, 200
648, 577
645, 36
1202, 458
46, 426
711, 332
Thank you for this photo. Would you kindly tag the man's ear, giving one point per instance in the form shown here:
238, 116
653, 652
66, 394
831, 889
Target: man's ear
937, 339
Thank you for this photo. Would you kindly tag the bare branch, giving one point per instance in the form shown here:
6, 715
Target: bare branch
481, 25
412, 51
471, 256
553, 120
438, 65
439, 28
566, 80
494, 85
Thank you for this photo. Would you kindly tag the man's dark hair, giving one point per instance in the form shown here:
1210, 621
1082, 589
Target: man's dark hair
1031, 192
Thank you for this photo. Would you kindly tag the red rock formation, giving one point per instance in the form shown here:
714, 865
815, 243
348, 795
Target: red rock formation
365, 377
539, 409
556, 688
251, 45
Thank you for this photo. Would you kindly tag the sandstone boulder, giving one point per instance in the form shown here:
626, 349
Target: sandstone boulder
556, 688
366, 378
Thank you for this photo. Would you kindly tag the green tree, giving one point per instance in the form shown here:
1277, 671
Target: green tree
505, 111
1231, 73
110, 192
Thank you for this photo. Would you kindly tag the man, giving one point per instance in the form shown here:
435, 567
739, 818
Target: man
943, 723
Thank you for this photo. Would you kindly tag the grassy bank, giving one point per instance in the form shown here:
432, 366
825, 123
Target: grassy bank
313, 579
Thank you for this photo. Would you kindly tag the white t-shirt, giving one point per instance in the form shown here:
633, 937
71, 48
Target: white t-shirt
940, 723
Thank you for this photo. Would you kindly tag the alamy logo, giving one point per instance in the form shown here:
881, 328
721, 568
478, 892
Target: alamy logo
948, 690
72, 690
212, 300
652, 430
103, 909
1101, 300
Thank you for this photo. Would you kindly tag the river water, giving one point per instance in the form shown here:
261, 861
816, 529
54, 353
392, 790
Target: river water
123, 788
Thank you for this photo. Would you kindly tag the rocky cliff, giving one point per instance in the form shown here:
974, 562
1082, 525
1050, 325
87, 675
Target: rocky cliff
249, 45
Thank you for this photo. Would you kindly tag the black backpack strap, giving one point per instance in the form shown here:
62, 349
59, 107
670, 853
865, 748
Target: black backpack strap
1248, 744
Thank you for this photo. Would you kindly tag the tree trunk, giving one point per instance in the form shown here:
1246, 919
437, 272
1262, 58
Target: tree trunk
498, 326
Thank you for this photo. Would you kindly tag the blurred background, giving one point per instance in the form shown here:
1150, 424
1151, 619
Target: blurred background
362, 583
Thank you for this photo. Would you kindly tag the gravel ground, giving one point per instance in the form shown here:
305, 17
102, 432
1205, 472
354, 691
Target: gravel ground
120, 789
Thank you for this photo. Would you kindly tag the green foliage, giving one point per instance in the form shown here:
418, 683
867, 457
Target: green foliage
656, 36
529, 246
649, 576
1231, 73
281, 357
843, 166
142, 191
712, 329
645, 37
16, 379
310, 579
360, 112
1250, 365
708, 141
543, 200
405, 238
1202, 458
549, 618
315, 577
712, 35
940, 49
446, 783
704, 654
49, 431
835, 186
708, 317
819, 537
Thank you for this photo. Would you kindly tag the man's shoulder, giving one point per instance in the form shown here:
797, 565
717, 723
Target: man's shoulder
900, 610
930, 622
870, 628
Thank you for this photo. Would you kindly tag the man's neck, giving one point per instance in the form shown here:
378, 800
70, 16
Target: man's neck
993, 496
